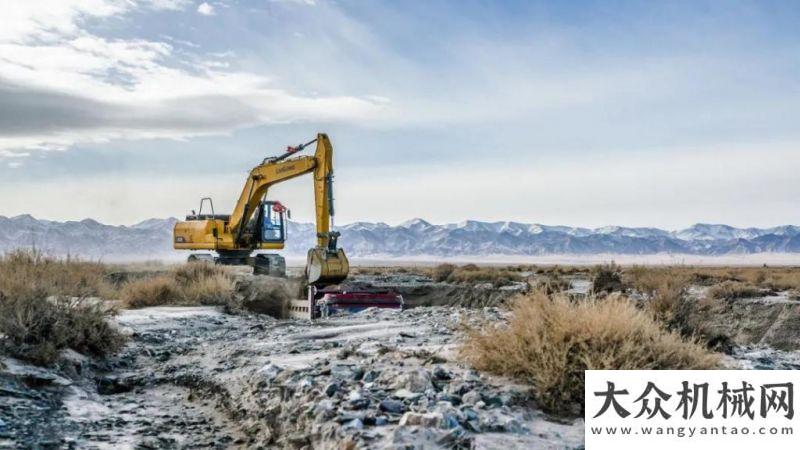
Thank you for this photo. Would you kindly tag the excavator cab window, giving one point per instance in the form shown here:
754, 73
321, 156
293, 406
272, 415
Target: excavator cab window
272, 222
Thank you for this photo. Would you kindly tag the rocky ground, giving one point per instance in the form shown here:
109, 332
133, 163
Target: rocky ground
195, 377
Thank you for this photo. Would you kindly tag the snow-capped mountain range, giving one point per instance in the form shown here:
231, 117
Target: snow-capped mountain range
153, 238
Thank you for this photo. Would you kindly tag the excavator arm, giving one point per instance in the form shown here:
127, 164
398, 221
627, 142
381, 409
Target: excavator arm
259, 181
323, 192
275, 170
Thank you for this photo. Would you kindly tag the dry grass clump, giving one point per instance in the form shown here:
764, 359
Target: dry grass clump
68, 276
498, 277
731, 290
44, 309
266, 295
563, 270
782, 280
195, 283
774, 278
607, 279
552, 284
473, 274
141, 293
550, 341
664, 288
36, 328
442, 272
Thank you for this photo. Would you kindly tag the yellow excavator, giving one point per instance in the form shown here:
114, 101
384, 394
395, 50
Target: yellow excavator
260, 224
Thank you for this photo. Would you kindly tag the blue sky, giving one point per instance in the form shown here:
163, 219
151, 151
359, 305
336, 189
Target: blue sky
579, 113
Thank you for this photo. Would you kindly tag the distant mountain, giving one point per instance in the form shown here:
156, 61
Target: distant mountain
152, 238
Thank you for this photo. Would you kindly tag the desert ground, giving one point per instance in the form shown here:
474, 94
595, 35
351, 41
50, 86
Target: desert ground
195, 356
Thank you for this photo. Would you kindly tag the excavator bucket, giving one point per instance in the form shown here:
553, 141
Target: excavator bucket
326, 268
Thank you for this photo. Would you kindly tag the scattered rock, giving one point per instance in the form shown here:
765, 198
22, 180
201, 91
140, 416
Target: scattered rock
113, 385
417, 380
370, 376
441, 374
405, 394
270, 371
355, 424
392, 406
331, 389
431, 420
471, 398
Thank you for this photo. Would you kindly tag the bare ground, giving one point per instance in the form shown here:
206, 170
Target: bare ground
194, 377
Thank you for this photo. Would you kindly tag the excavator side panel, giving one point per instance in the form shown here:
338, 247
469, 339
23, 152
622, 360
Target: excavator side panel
196, 234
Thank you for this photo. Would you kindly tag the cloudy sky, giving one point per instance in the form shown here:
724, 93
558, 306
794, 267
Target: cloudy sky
576, 113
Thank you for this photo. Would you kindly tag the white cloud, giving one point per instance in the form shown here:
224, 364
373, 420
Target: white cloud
51, 19
205, 9
299, 2
169, 4
738, 185
725, 184
62, 85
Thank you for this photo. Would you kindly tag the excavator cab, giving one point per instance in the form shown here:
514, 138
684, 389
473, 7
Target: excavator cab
272, 222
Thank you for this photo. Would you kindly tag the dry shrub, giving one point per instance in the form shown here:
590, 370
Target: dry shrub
191, 272
472, 274
666, 292
498, 277
731, 290
69, 276
158, 290
442, 272
550, 341
784, 280
775, 278
36, 328
552, 284
367, 271
266, 295
210, 290
195, 283
44, 309
607, 279
563, 270
665, 289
